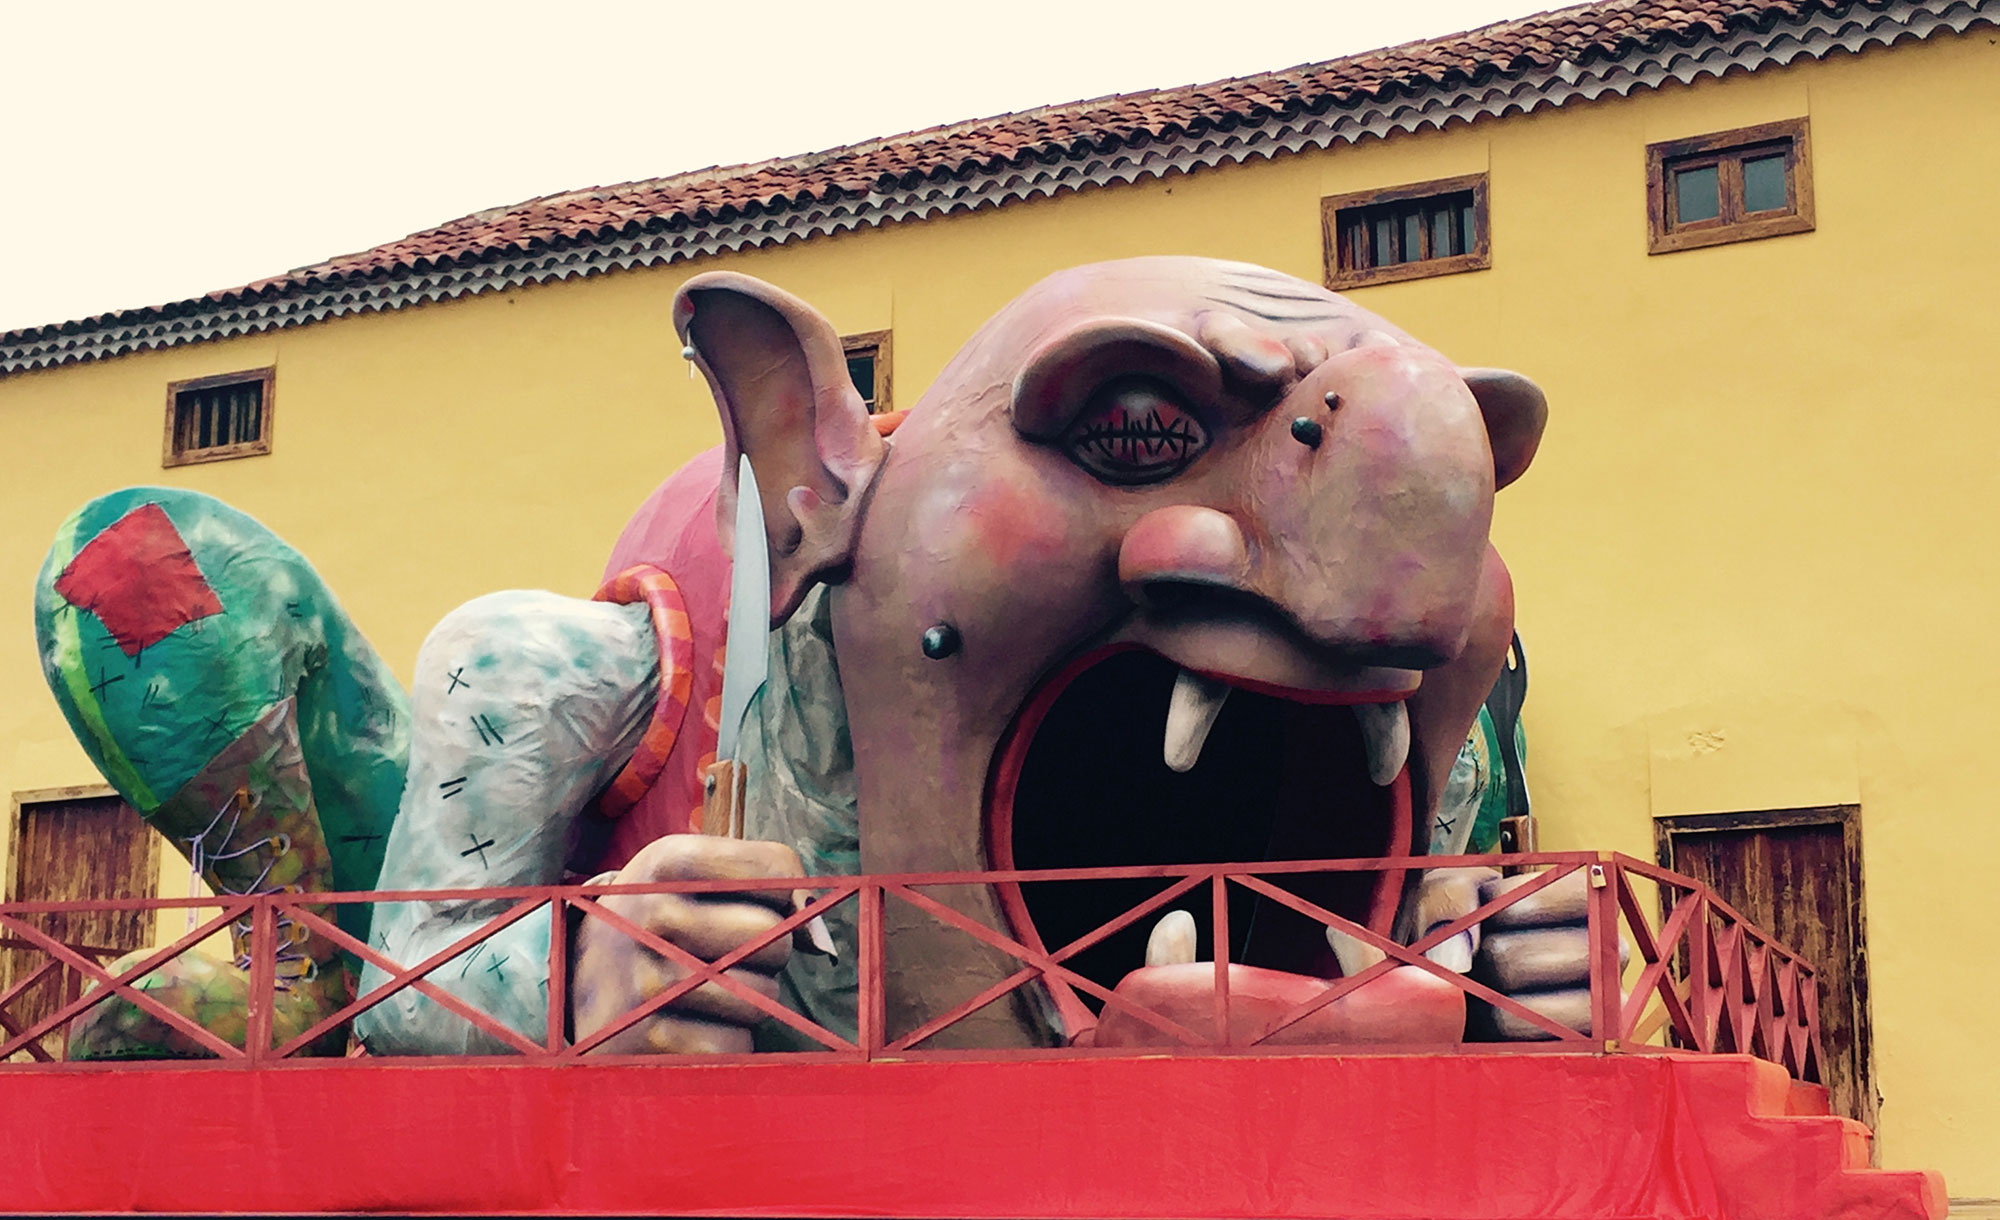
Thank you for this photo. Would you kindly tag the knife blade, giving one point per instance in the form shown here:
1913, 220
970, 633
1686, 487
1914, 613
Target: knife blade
746, 656
746, 664
748, 659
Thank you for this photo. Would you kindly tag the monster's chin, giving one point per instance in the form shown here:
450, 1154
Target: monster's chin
1083, 779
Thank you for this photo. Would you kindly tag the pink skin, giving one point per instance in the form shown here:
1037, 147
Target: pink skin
1366, 556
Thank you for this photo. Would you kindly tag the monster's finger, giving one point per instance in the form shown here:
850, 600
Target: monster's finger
1447, 894
708, 999
708, 927
690, 857
1560, 902
1569, 1008
664, 1034
1537, 959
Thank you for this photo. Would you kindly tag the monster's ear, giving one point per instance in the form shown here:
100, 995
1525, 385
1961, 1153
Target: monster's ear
1515, 414
780, 381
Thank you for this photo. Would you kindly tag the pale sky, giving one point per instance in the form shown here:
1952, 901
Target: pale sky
160, 149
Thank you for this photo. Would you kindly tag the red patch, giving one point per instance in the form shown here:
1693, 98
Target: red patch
139, 579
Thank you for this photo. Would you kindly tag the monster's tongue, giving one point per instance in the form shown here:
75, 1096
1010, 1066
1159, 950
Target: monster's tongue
1404, 1006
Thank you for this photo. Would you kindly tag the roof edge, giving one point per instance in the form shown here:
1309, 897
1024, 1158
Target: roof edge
262, 307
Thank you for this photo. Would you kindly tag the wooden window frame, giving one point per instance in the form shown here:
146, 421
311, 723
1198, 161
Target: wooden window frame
879, 340
1727, 151
1848, 818
1479, 258
171, 452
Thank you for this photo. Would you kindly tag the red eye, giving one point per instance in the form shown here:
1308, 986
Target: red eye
1132, 432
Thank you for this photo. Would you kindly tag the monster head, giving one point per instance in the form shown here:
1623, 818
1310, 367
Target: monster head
1177, 561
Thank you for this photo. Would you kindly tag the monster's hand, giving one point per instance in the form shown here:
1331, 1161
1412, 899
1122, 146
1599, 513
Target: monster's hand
1535, 952
611, 973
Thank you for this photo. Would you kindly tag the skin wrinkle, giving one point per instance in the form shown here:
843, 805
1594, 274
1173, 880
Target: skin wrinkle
1265, 286
1258, 363
1270, 316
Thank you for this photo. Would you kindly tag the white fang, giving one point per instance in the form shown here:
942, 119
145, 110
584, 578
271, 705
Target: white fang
1191, 713
1385, 729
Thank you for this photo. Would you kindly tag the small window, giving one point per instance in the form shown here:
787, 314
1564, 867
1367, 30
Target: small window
1406, 232
211, 419
1730, 186
868, 368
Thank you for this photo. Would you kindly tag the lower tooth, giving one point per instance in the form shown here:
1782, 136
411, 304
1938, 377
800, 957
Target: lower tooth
1353, 954
1172, 941
1191, 713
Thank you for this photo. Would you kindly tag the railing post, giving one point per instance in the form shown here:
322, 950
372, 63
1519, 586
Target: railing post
1219, 920
69, 985
1814, 1053
1699, 942
558, 974
263, 978
870, 1000
1606, 994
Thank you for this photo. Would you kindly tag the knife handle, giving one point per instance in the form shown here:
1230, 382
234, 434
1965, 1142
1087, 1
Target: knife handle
722, 799
722, 814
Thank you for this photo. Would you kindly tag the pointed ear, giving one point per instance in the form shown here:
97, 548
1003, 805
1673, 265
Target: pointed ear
1515, 413
780, 381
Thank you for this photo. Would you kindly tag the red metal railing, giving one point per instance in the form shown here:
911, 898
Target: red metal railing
1700, 977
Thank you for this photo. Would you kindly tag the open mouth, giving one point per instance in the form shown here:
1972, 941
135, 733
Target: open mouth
1123, 758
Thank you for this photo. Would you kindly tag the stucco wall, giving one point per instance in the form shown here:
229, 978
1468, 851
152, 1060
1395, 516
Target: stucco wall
1752, 559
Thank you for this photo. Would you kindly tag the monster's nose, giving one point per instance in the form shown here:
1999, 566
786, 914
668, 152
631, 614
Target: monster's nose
1183, 544
1213, 603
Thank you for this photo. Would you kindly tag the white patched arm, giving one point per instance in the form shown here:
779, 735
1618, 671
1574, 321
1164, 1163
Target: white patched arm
525, 705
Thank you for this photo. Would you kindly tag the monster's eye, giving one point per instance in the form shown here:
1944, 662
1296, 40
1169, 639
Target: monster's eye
1134, 431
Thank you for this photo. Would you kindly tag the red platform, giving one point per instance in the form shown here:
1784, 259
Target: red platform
1606, 1126
1433, 1136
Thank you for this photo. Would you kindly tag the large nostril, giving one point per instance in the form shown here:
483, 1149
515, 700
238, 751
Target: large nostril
1183, 543
1181, 597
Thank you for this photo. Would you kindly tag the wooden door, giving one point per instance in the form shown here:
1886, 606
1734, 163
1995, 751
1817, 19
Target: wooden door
69, 845
1796, 873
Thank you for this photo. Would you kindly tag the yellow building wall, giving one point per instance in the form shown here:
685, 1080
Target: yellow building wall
1752, 559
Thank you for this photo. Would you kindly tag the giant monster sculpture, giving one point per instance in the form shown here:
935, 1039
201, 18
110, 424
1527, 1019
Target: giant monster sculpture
1177, 560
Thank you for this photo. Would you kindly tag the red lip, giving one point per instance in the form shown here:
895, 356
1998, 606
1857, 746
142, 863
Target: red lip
1320, 698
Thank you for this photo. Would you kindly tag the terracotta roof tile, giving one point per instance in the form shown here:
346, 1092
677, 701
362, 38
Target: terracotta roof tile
1581, 34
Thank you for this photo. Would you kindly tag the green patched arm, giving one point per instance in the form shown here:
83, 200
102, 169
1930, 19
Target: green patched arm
217, 684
